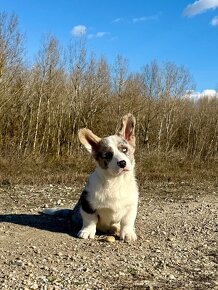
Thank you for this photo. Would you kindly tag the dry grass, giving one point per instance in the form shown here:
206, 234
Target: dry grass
40, 170
174, 167
149, 167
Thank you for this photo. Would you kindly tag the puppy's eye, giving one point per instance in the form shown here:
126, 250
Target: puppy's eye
124, 149
108, 155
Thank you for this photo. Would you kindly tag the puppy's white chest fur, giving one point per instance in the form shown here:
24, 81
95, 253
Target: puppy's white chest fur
112, 198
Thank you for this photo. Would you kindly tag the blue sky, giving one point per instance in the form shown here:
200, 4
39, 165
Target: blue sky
182, 31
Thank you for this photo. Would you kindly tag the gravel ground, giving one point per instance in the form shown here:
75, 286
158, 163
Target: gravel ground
177, 229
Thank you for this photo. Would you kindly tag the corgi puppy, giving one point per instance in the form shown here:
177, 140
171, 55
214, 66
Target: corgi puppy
109, 200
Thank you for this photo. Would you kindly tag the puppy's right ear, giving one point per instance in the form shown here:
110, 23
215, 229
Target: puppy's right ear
89, 140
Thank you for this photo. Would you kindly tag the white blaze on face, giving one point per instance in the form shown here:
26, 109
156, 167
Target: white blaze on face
123, 159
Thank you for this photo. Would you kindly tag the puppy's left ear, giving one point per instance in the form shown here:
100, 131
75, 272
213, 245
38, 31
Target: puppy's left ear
127, 129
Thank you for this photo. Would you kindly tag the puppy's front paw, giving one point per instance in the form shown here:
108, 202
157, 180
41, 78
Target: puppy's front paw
87, 233
115, 230
128, 236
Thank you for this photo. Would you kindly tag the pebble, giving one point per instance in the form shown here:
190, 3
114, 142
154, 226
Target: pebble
34, 286
110, 239
19, 263
59, 202
172, 277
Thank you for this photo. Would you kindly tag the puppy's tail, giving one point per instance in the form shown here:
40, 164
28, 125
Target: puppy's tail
57, 212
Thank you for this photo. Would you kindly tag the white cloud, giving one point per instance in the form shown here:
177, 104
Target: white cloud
208, 93
97, 35
139, 19
101, 34
117, 20
214, 21
200, 6
79, 30
144, 18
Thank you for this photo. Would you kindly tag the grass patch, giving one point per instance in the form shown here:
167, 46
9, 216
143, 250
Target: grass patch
174, 167
149, 167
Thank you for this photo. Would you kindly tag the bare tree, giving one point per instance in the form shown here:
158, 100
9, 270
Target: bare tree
42, 107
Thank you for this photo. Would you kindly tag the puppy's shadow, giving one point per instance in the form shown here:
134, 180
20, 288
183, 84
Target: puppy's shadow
42, 222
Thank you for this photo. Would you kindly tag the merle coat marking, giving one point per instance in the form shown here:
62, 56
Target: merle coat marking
110, 198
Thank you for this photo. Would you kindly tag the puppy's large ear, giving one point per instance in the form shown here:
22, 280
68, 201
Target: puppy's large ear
89, 140
127, 129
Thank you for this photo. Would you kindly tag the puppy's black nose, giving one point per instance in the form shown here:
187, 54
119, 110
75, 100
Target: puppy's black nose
121, 164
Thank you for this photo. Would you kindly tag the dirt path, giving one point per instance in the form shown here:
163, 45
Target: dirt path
177, 229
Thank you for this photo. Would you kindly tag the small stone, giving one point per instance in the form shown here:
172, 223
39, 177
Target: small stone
172, 277
110, 239
59, 254
19, 263
34, 286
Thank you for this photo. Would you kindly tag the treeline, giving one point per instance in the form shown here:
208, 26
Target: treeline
43, 106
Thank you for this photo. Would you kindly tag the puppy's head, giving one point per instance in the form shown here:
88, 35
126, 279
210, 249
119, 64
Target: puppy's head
114, 154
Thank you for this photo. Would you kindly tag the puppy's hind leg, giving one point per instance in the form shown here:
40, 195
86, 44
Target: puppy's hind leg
89, 225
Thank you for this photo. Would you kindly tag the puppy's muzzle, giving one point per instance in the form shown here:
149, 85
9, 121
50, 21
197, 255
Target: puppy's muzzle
121, 164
